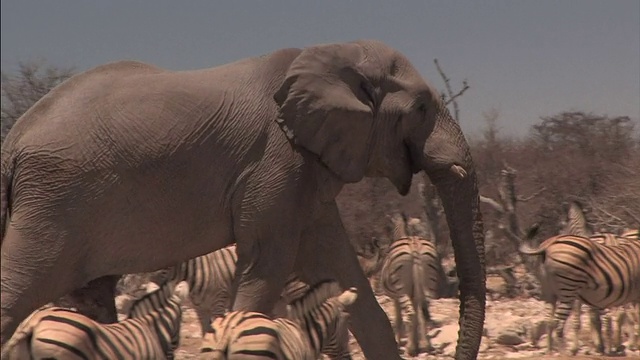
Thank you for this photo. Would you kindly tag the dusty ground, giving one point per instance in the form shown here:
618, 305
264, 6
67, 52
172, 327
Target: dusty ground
506, 318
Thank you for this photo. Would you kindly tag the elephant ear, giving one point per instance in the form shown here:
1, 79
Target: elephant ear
326, 105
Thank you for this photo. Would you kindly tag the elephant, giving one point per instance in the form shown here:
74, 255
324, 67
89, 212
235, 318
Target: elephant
129, 167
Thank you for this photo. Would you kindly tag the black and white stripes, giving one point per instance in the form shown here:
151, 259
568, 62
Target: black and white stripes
152, 331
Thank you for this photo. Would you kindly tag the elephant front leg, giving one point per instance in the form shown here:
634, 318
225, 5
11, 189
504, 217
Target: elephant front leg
261, 272
325, 253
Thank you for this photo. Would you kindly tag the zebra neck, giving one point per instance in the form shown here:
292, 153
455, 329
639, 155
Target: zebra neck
321, 323
186, 271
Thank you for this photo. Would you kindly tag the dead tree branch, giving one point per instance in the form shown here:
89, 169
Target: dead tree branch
532, 196
450, 96
494, 204
631, 215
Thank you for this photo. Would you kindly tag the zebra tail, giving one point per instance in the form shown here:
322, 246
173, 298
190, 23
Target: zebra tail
418, 280
526, 249
417, 298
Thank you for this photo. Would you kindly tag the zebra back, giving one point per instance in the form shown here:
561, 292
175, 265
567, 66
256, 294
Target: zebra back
397, 270
309, 329
217, 267
600, 274
151, 332
245, 334
633, 234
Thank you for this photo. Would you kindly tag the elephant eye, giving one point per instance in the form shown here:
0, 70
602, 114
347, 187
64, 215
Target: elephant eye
368, 89
422, 107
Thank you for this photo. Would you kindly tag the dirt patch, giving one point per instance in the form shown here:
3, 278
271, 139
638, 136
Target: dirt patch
504, 316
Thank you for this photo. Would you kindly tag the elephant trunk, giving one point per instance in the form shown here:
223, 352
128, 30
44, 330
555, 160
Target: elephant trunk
449, 166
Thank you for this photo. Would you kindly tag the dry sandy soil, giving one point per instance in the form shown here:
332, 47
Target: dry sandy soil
510, 319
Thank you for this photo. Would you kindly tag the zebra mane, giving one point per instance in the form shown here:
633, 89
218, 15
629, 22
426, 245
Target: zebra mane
576, 223
155, 300
313, 299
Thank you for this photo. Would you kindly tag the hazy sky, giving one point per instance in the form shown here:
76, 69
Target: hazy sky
526, 58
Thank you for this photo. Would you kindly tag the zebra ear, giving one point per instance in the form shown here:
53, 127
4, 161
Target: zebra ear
151, 287
182, 290
533, 231
348, 297
290, 314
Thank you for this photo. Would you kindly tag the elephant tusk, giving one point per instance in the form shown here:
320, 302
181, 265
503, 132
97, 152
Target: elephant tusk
458, 170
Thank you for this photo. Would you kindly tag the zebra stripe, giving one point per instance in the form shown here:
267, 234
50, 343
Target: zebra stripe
210, 278
313, 324
602, 271
152, 331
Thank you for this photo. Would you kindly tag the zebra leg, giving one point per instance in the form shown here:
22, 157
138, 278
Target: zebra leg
607, 323
635, 335
596, 329
400, 321
416, 329
425, 311
576, 325
551, 324
561, 313
618, 319
205, 318
426, 323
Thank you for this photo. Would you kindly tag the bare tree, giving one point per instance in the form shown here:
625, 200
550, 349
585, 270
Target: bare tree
23, 89
432, 205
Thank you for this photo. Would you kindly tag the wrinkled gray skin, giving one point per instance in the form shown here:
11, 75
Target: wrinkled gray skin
130, 168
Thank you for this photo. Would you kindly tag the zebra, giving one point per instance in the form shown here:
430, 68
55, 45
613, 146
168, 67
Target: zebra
152, 331
210, 278
602, 275
411, 274
370, 257
576, 224
312, 325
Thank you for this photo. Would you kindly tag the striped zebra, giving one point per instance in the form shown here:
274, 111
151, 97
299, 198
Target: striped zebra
411, 274
598, 274
210, 278
370, 257
152, 331
576, 224
312, 325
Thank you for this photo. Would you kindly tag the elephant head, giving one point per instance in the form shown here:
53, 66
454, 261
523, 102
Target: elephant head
364, 110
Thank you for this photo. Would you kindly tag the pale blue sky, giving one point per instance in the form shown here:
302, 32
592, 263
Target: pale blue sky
527, 58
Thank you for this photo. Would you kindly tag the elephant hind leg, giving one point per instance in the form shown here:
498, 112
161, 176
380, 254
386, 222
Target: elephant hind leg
33, 273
